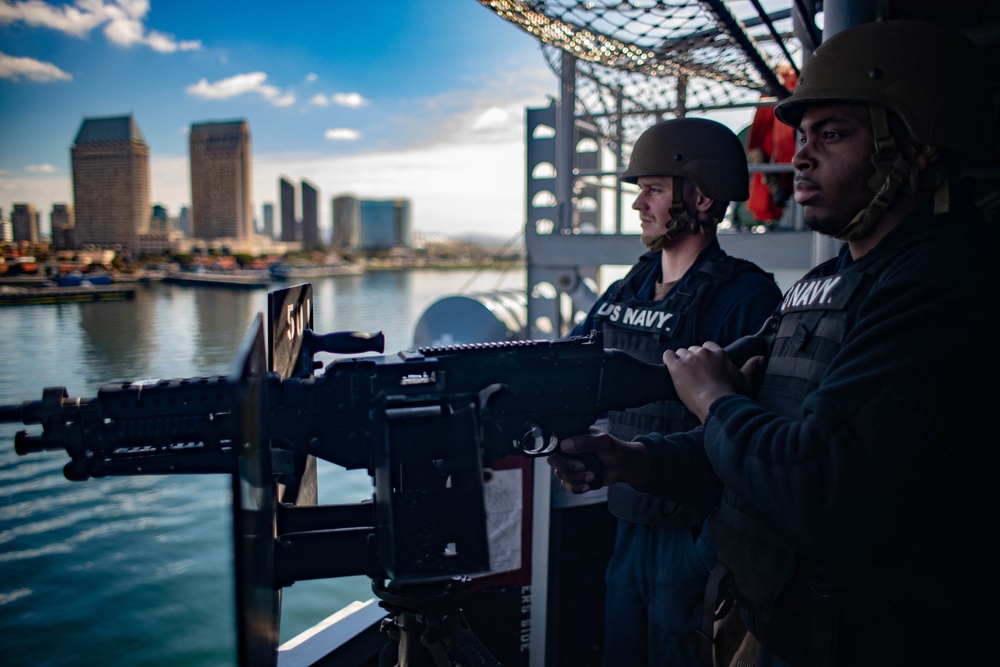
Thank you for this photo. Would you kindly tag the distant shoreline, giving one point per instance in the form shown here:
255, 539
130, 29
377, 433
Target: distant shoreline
38, 280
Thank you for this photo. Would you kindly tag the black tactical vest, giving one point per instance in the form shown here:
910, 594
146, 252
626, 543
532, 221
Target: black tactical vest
815, 315
645, 329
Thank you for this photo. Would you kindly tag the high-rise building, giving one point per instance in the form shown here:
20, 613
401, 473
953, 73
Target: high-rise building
221, 195
346, 222
286, 195
310, 213
63, 223
25, 222
184, 221
385, 224
158, 220
6, 229
269, 220
110, 160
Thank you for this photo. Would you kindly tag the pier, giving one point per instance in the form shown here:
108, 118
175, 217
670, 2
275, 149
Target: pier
22, 296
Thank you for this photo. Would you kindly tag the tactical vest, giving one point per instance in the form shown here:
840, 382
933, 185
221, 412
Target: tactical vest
815, 316
645, 329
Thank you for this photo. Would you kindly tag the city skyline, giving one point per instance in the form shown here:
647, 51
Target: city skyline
381, 102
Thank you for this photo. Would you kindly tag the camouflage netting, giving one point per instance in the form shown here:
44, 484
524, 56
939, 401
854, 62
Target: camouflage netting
638, 61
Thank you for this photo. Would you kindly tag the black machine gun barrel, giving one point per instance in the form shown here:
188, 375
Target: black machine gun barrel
132, 428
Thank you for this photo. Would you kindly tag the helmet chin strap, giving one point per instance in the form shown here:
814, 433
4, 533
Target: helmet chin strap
892, 173
681, 222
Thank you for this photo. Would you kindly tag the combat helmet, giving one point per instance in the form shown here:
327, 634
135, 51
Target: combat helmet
932, 77
703, 150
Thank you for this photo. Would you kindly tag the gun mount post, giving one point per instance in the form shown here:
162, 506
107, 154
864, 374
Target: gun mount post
427, 626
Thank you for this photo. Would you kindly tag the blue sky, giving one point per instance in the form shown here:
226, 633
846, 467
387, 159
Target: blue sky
415, 98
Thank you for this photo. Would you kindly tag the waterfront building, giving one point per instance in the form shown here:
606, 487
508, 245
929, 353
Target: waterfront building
221, 194
384, 224
184, 221
345, 222
286, 196
63, 225
269, 220
310, 212
158, 220
6, 229
25, 223
110, 162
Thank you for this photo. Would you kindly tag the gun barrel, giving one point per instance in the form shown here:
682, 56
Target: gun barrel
25, 443
10, 414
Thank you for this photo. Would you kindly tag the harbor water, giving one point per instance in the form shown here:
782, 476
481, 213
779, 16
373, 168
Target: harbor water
139, 570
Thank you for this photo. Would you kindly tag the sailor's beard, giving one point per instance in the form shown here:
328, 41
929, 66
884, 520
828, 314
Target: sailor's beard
828, 225
654, 242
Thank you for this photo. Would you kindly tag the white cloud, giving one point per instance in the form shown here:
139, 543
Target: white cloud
45, 168
492, 113
351, 100
342, 134
311, 77
277, 98
492, 117
122, 21
34, 70
241, 84
167, 44
67, 18
124, 27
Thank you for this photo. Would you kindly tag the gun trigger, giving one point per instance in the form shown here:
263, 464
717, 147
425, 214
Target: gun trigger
536, 437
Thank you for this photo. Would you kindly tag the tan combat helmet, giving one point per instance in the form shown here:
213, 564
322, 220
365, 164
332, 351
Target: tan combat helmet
704, 151
932, 77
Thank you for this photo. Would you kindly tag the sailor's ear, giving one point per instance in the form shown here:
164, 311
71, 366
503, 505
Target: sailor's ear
702, 202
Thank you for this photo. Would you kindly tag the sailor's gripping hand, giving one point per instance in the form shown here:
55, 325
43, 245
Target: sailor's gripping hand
622, 461
703, 374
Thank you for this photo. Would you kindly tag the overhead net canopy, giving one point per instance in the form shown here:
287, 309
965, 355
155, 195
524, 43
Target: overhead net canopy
638, 61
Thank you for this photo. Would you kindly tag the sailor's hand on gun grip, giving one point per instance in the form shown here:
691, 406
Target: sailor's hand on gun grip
702, 374
577, 456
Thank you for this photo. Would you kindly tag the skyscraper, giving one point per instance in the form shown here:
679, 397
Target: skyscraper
159, 220
184, 221
346, 222
286, 193
269, 220
385, 223
6, 229
63, 223
110, 161
25, 222
310, 213
221, 194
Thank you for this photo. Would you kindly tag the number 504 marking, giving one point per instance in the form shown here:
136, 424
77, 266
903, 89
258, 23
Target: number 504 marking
296, 315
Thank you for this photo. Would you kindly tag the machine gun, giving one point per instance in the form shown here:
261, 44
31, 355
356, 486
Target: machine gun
426, 424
